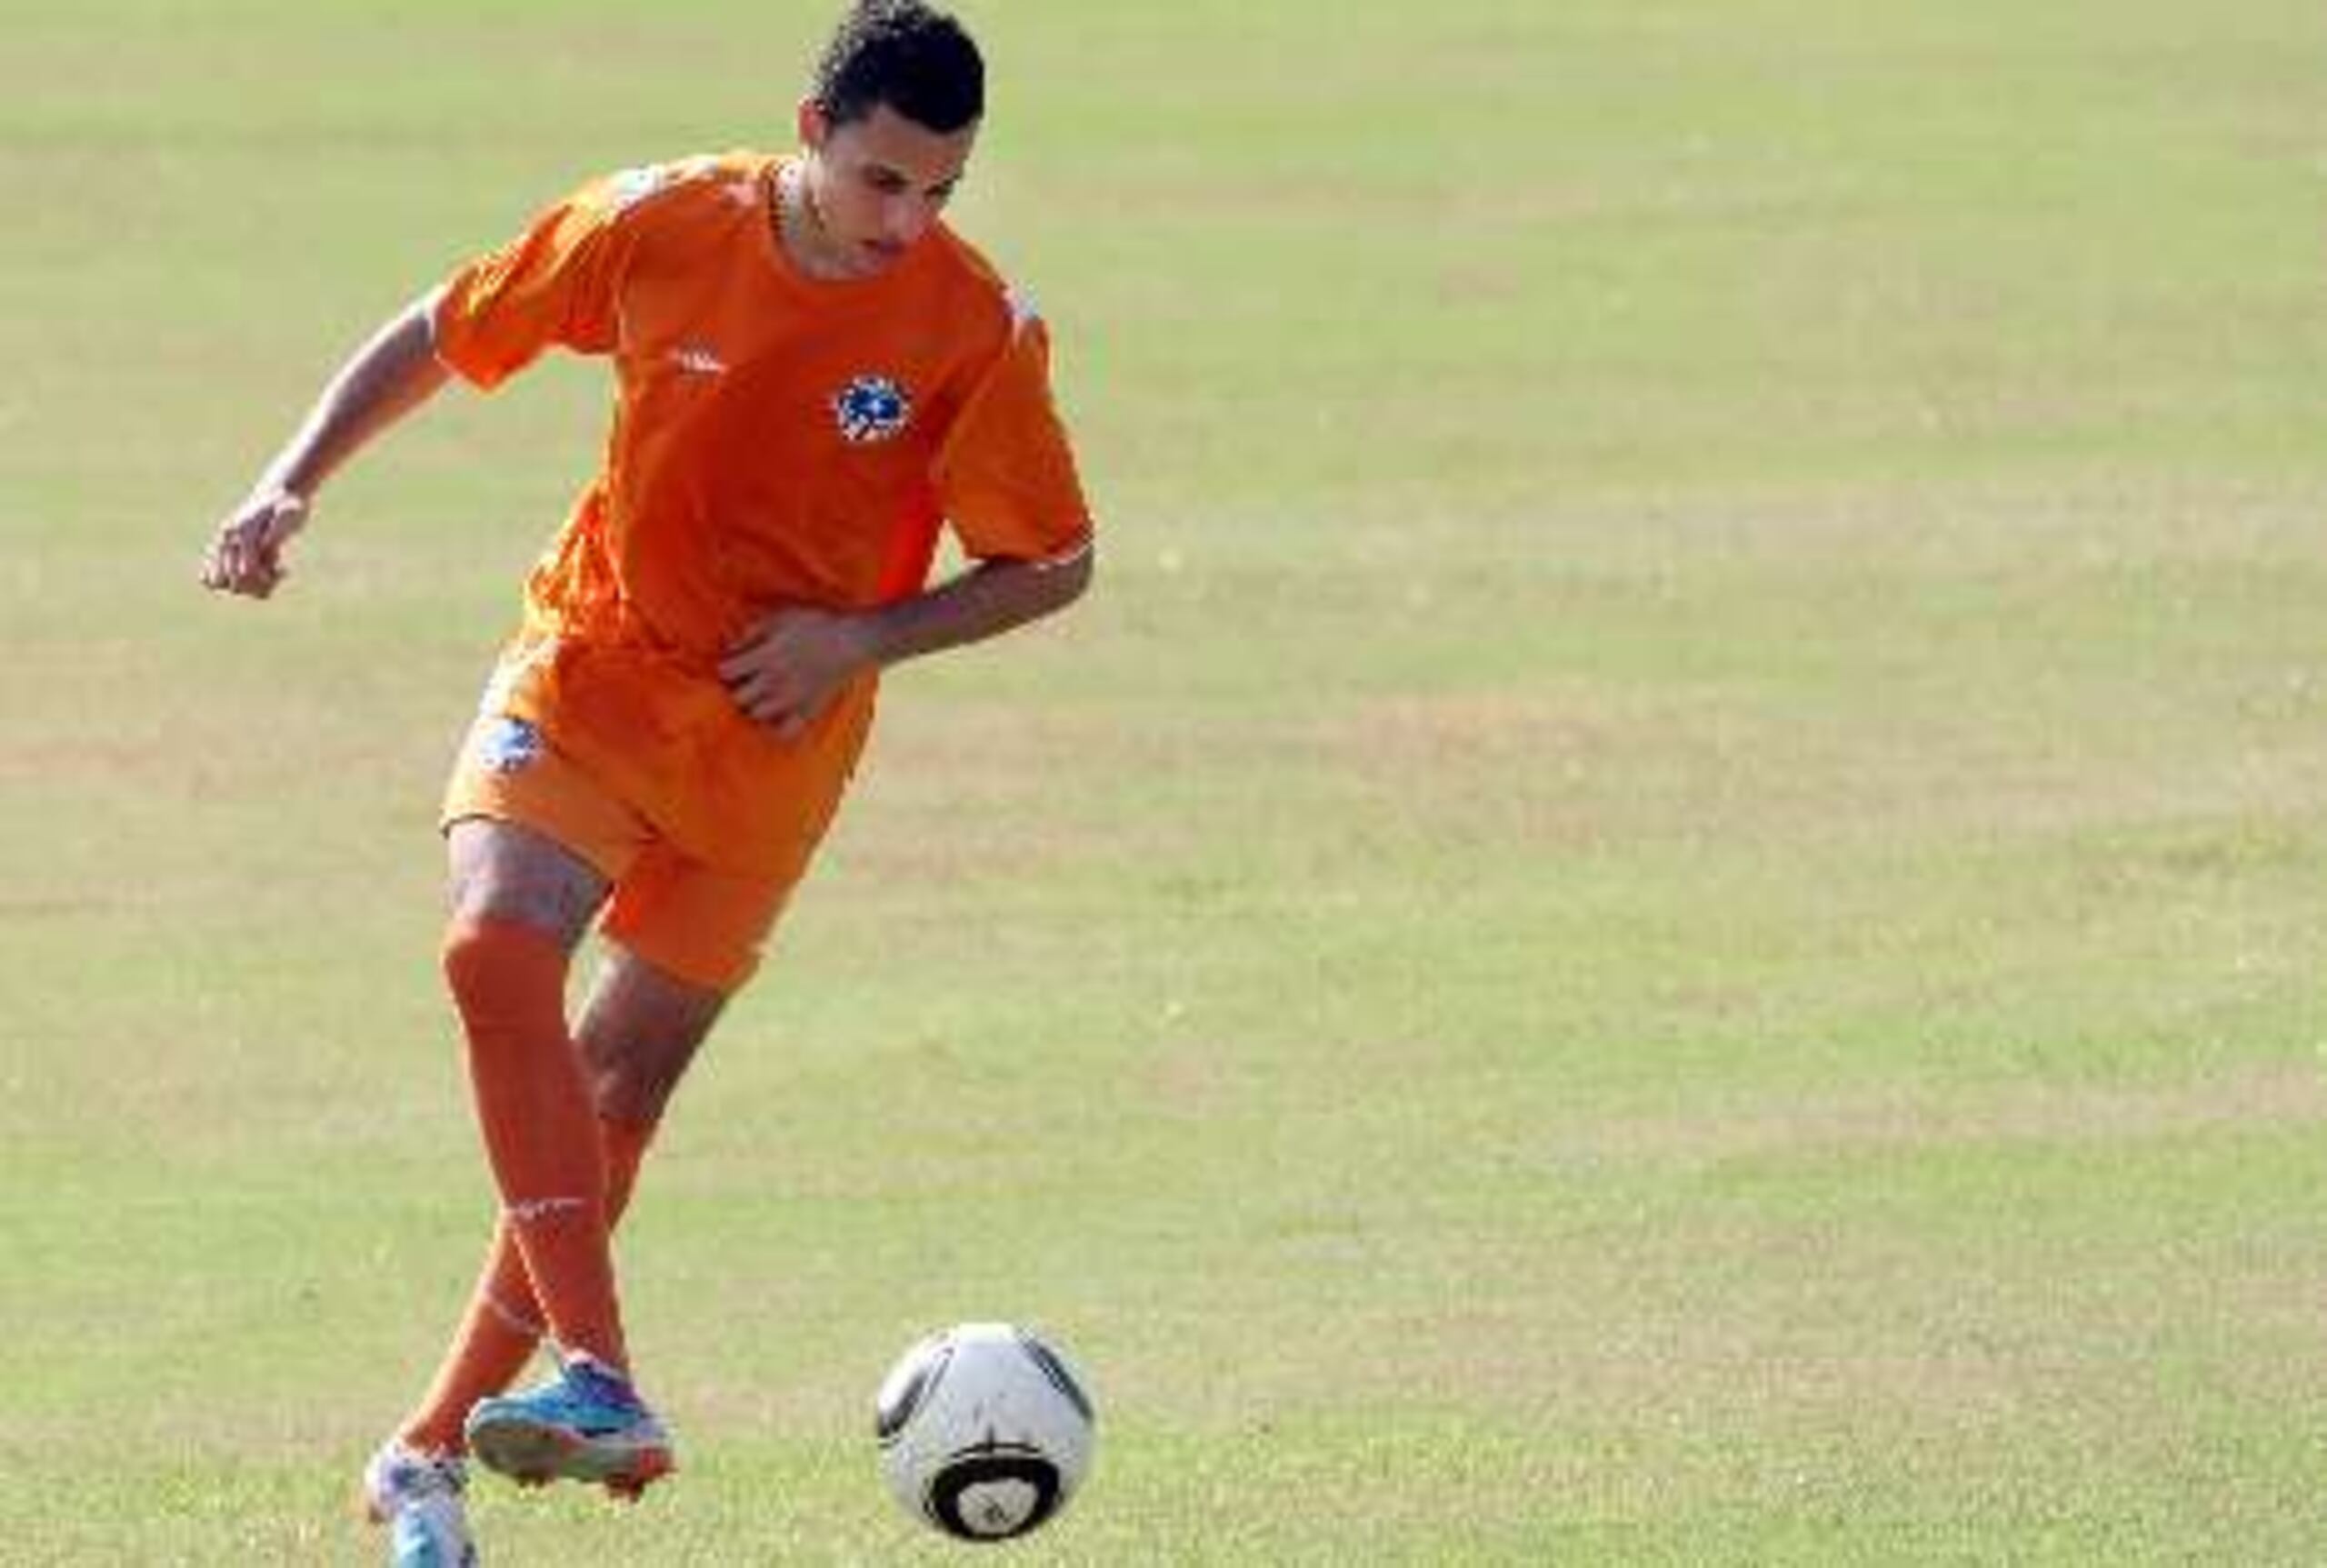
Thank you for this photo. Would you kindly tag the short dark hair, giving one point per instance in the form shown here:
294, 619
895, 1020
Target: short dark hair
911, 57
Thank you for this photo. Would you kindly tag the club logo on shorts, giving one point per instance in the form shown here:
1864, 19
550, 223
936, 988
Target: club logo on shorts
505, 744
872, 408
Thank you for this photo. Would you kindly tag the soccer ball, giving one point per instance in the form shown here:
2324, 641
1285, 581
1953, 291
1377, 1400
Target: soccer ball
985, 1432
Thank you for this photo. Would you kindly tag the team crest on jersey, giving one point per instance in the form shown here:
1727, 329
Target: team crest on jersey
872, 408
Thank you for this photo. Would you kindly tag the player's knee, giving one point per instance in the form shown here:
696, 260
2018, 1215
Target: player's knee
504, 978
639, 1035
467, 956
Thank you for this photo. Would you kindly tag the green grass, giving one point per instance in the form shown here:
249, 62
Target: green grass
1666, 911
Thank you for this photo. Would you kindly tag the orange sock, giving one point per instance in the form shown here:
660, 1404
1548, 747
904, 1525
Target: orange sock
503, 1326
540, 1128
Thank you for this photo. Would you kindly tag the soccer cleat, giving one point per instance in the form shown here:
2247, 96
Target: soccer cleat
419, 1497
587, 1423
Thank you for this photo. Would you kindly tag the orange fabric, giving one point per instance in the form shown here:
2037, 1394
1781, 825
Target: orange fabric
777, 440
502, 1328
705, 925
534, 1107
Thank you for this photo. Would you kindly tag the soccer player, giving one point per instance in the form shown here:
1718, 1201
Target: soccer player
813, 375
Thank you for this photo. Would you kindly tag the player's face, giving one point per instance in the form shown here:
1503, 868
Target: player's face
878, 183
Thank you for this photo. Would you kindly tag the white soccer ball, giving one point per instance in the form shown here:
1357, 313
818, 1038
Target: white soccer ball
985, 1431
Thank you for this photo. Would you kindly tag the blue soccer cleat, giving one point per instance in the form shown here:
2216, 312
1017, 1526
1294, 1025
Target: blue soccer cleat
587, 1423
420, 1498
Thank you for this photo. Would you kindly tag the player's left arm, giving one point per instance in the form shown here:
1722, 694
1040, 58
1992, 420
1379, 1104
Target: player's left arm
790, 666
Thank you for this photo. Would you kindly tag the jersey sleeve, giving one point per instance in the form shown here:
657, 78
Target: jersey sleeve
555, 285
1005, 477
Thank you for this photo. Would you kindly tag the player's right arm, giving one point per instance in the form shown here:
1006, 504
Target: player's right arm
388, 377
555, 285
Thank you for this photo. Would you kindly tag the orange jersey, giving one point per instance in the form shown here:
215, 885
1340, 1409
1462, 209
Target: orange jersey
777, 440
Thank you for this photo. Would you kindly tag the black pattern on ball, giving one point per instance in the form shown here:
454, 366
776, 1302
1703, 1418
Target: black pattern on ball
1053, 1368
896, 1411
992, 1464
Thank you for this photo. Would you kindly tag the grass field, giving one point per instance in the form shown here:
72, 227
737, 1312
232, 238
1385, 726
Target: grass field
1668, 908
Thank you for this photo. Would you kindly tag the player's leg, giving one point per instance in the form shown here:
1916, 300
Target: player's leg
638, 1032
681, 937
535, 844
520, 903
641, 1030
685, 936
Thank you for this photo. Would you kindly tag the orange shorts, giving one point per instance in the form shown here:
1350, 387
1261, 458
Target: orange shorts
705, 925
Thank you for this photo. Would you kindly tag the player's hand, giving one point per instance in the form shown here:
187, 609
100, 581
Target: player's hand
245, 557
787, 669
